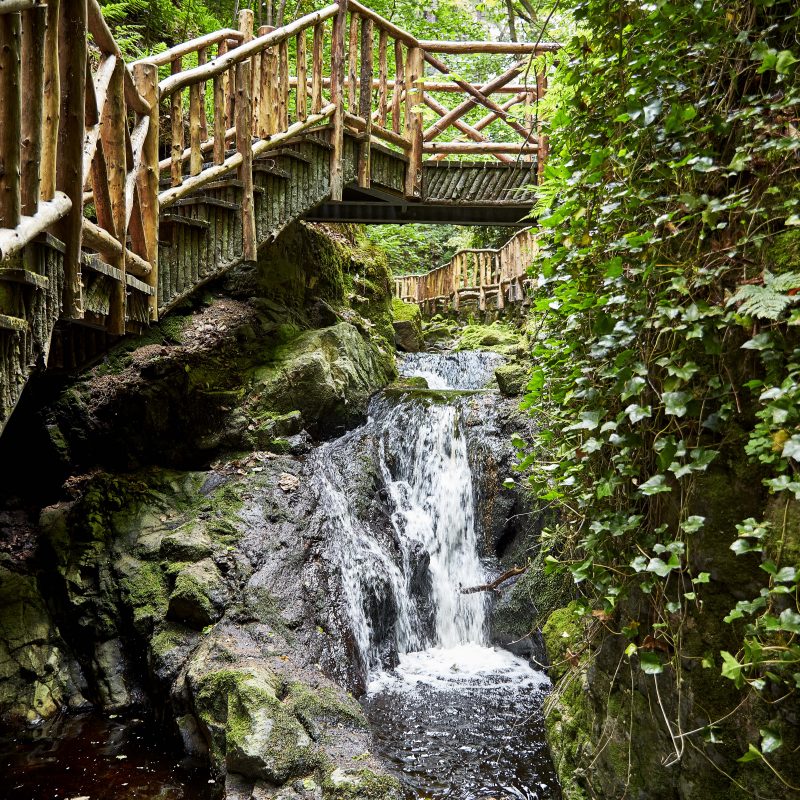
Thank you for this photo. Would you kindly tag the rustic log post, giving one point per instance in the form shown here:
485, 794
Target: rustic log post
365, 102
283, 85
145, 77
10, 130
244, 144
72, 51
269, 86
337, 99
399, 86
383, 78
219, 118
414, 69
261, 113
316, 68
202, 58
245, 21
301, 95
51, 111
176, 117
195, 131
34, 25
352, 59
113, 125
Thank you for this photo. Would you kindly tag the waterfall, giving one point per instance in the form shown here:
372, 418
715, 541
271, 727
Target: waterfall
428, 485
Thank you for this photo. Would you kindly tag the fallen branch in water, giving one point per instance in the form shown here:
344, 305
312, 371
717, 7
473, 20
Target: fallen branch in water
487, 587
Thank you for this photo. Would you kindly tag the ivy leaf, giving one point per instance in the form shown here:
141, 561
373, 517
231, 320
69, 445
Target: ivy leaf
784, 60
785, 575
639, 563
675, 403
703, 577
790, 621
662, 568
752, 754
770, 740
589, 420
732, 670
637, 413
791, 449
650, 662
654, 485
762, 341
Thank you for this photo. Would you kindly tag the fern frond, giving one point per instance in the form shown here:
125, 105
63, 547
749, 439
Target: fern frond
763, 302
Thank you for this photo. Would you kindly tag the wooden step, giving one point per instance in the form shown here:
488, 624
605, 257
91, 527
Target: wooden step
15, 324
24, 276
178, 219
208, 201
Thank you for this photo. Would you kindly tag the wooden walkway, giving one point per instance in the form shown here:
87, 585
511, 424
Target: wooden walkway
109, 216
477, 279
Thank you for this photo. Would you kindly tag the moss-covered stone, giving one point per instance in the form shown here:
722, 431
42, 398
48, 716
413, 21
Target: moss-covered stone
199, 595
564, 633
360, 784
512, 379
497, 336
407, 323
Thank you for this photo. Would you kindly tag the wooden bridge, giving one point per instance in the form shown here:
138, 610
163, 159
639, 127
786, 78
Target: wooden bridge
476, 279
123, 188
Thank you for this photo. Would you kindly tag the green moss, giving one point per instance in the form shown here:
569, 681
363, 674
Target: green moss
496, 336
317, 708
405, 311
173, 327
564, 630
145, 590
363, 784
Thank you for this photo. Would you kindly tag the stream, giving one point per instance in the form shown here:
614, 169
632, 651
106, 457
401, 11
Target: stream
456, 717
453, 715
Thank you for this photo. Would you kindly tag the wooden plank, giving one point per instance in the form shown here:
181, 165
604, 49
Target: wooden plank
244, 121
33, 35
316, 68
365, 101
145, 77
337, 100
474, 48
414, 73
72, 49
10, 130
301, 95
176, 117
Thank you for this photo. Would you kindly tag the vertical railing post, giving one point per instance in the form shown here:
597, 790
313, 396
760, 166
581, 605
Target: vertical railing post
244, 144
283, 85
383, 77
414, 69
301, 96
352, 62
34, 25
365, 102
51, 112
176, 117
269, 86
399, 86
10, 109
219, 116
337, 98
316, 68
145, 78
72, 51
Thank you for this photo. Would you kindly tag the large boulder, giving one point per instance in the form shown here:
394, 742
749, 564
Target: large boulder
327, 374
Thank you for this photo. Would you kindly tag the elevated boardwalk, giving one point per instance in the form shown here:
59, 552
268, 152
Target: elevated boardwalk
124, 188
482, 279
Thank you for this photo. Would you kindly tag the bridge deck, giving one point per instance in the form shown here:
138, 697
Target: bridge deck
102, 229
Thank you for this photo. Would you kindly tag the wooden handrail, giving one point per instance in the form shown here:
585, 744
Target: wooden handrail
192, 46
478, 48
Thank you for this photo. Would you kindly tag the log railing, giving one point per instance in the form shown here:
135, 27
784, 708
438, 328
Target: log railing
80, 154
500, 273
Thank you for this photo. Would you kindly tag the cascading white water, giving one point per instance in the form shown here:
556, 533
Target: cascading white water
422, 455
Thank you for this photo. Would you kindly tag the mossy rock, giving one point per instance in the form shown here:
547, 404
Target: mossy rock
497, 337
199, 595
565, 630
407, 323
512, 379
363, 784
322, 707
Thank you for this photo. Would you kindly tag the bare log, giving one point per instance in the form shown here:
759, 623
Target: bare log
244, 136
33, 33
51, 110
365, 102
12, 240
337, 100
10, 103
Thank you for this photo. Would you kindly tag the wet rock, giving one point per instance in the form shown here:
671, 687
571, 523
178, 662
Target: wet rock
512, 379
38, 675
199, 596
187, 543
407, 324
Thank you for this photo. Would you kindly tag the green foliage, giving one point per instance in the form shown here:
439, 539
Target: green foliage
664, 314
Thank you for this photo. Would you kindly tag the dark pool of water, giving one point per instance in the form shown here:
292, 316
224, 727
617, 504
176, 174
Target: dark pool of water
98, 758
464, 740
